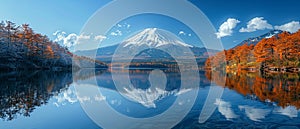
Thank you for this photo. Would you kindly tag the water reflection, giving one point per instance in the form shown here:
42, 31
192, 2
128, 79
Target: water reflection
143, 102
280, 89
249, 100
225, 109
149, 99
22, 92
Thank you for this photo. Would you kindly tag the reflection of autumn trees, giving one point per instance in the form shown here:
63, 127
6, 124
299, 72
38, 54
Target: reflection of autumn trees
284, 89
22, 92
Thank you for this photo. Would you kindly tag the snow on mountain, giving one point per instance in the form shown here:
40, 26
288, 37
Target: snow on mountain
153, 43
146, 97
153, 37
149, 97
273, 33
255, 40
150, 43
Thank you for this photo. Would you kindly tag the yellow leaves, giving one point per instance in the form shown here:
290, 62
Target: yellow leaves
49, 52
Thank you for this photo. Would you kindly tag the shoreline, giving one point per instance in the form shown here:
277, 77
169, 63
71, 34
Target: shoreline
266, 69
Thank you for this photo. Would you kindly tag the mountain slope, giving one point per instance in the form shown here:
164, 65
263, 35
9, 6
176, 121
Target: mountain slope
153, 38
151, 43
255, 40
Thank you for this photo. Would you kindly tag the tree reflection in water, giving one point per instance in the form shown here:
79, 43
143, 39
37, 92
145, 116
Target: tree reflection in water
22, 92
281, 88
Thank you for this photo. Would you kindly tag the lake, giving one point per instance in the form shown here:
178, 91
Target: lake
143, 98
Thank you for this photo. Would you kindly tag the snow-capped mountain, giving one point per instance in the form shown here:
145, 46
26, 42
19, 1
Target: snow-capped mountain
153, 43
153, 38
150, 43
255, 40
147, 97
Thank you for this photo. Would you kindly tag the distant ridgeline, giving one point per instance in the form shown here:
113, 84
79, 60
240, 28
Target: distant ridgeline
279, 53
22, 48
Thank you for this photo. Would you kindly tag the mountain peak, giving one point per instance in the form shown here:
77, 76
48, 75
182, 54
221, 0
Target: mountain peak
154, 37
255, 40
272, 33
151, 30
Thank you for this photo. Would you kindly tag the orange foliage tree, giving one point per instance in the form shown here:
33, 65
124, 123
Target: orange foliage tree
282, 50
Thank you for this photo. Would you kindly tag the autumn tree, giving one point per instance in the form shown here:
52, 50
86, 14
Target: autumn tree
208, 62
243, 53
262, 52
48, 53
294, 46
219, 60
20, 44
8, 29
2, 30
281, 45
229, 56
282, 50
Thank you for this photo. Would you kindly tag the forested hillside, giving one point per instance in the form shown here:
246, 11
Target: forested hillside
280, 52
22, 48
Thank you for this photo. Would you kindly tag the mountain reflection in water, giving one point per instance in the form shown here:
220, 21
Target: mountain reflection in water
249, 99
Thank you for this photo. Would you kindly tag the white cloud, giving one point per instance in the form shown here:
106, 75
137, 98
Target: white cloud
226, 28
65, 97
70, 96
184, 33
99, 98
225, 109
128, 26
100, 37
113, 34
289, 111
125, 25
71, 39
120, 28
257, 23
83, 37
181, 33
84, 99
291, 27
255, 114
60, 35
182, 91
116, 33
59, 32
119, 25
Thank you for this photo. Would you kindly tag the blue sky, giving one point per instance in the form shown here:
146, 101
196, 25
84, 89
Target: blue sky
135, 24
69, 16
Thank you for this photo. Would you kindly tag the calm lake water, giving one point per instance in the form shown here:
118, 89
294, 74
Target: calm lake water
52, 100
